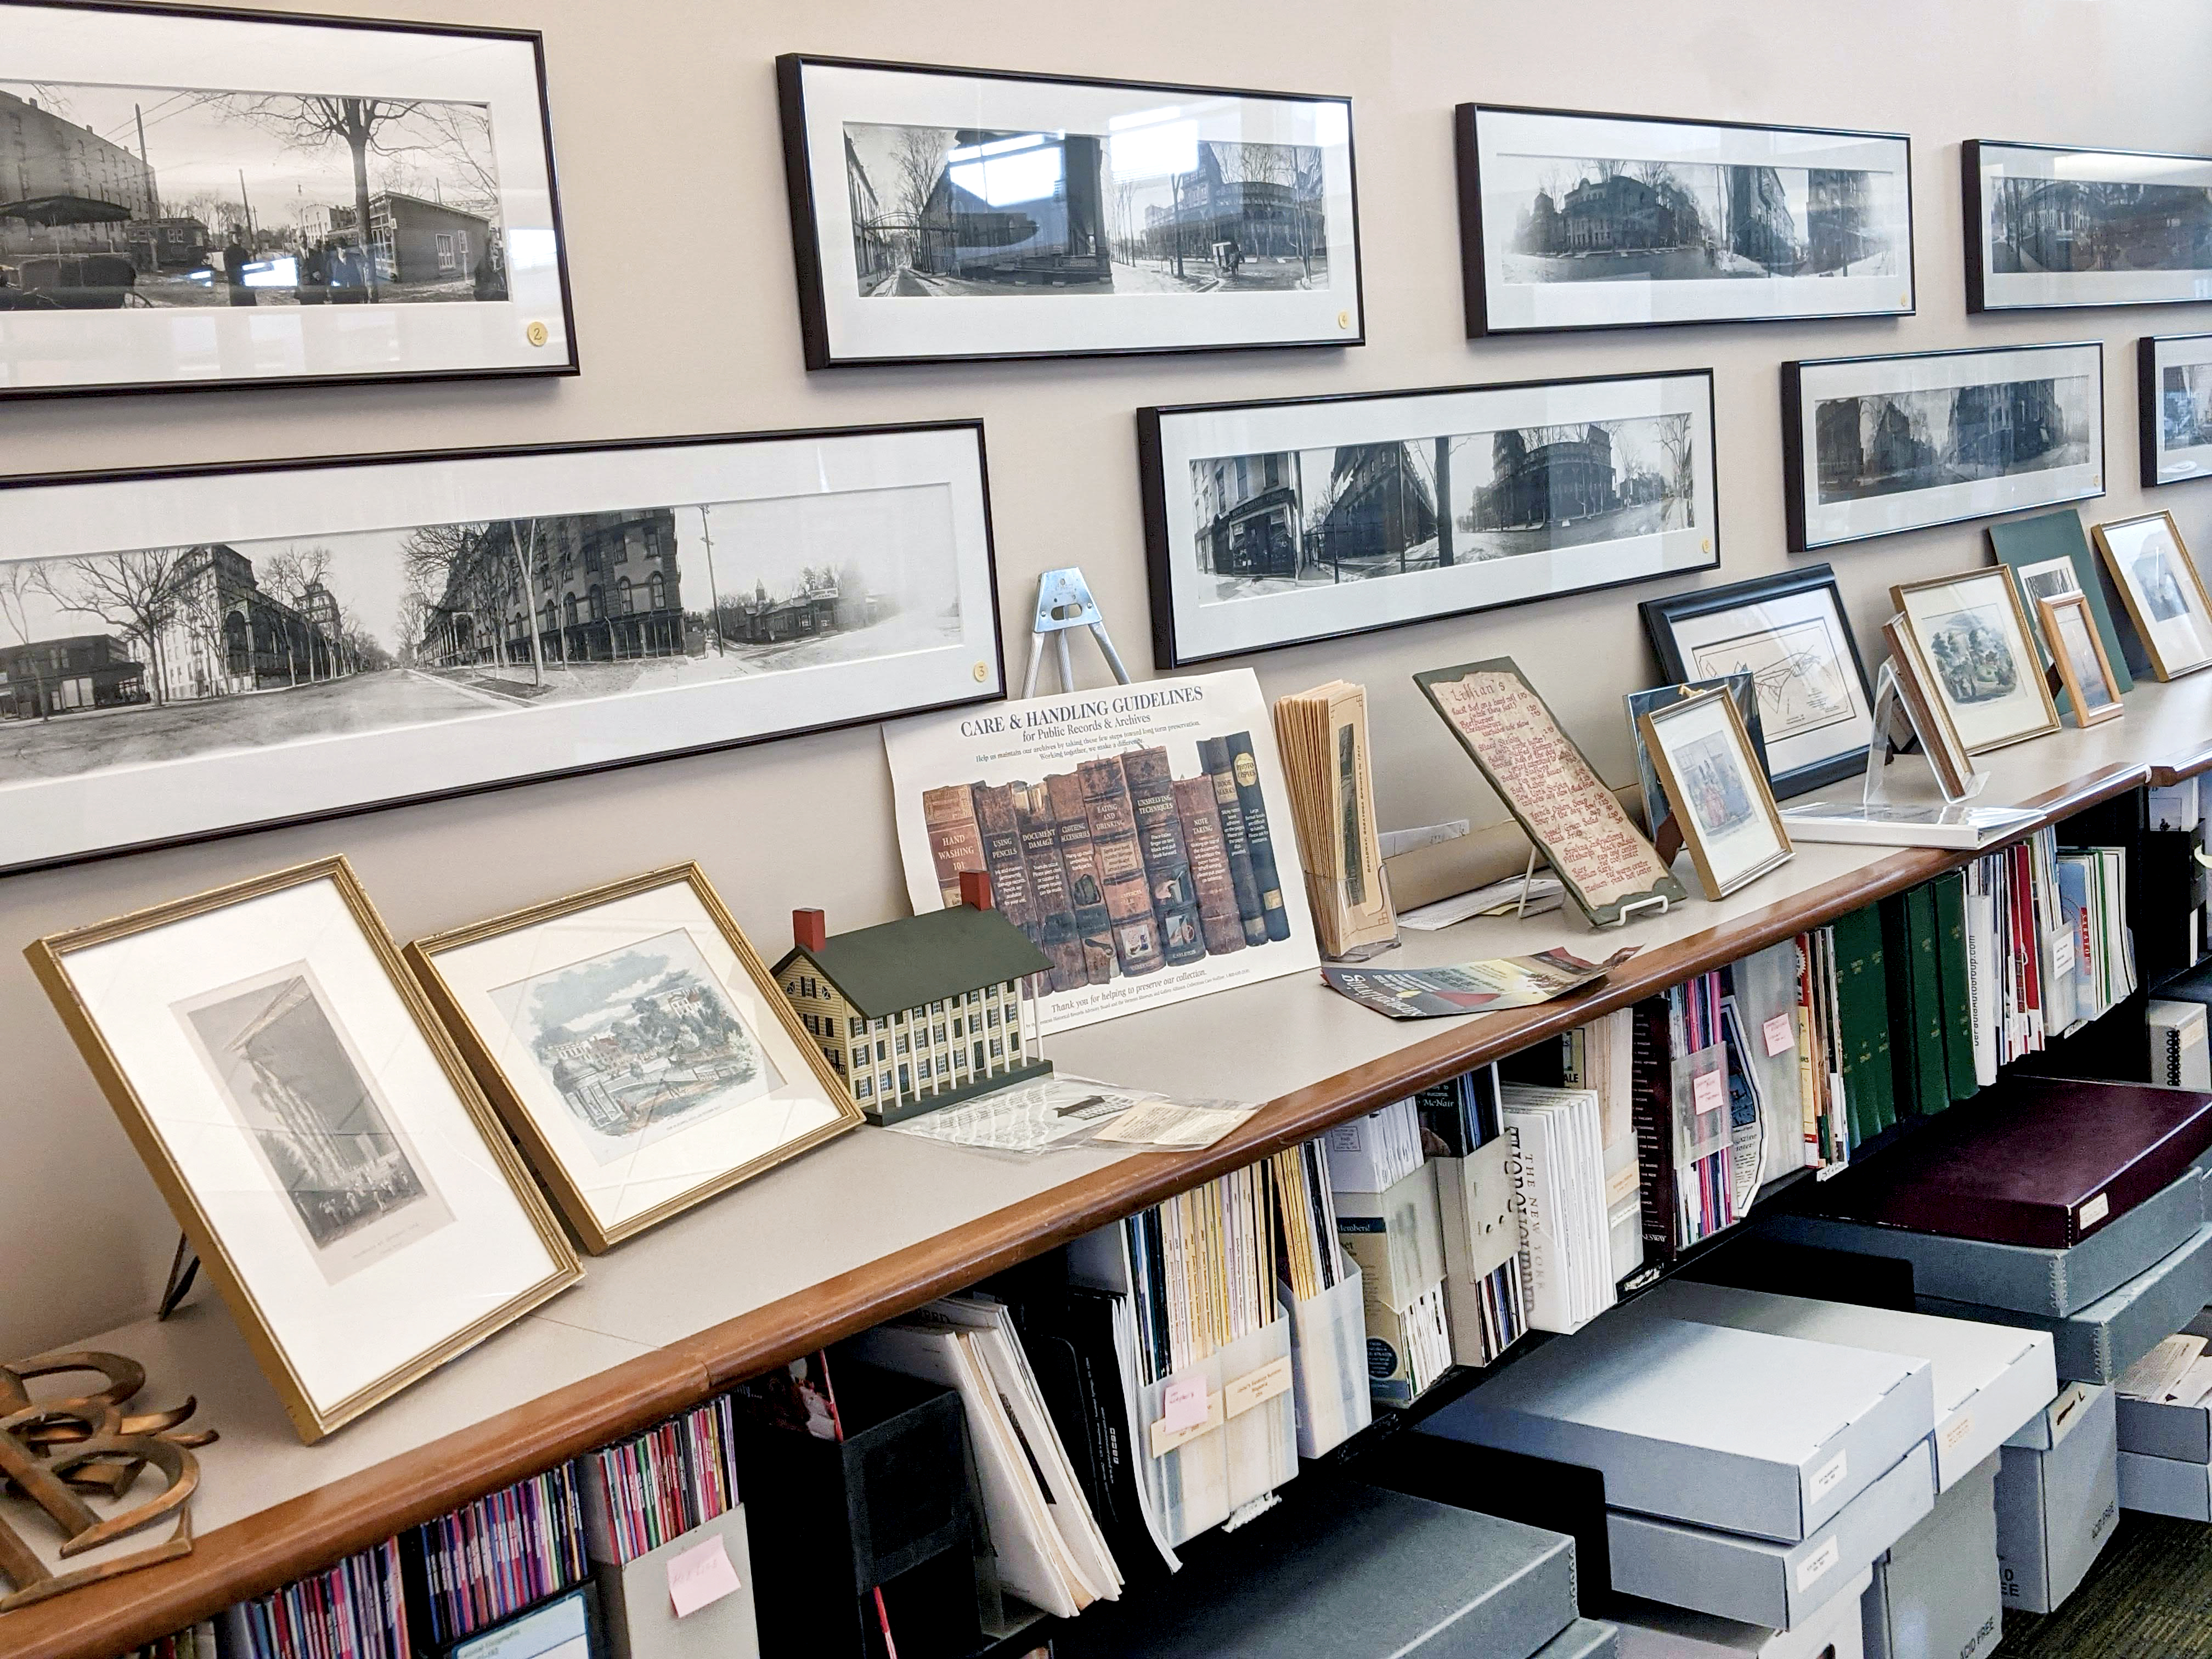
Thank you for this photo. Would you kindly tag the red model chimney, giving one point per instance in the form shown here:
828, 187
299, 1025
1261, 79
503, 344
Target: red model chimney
975, 888
809, 929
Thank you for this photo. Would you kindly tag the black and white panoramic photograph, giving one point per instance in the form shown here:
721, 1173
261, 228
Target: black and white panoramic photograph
1374, 510
1890, 442
1157, 218
353, 1185
639, 1043
2056, 227
1589, 221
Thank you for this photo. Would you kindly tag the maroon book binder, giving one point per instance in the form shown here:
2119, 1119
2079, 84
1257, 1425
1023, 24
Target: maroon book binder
2042, 1162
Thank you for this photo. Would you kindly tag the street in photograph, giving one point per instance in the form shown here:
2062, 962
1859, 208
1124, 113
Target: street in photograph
1887, 443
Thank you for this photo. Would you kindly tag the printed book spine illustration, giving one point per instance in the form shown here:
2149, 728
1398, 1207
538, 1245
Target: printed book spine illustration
1052, 925
1002, 854
1167, 859
956, 841
1121, 866
1086, 893
1653, 1115
1214, 756
1209, 865
1258, 840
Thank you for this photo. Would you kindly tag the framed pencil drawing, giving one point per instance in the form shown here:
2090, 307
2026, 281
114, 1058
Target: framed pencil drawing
173, 643
326, 1152
2159, 585
2173, 407
944, 213
1572, 220
1282, 522
2054, 226
193, 197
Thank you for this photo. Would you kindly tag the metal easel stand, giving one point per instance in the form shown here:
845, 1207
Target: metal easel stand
1656, 905
1064, 601
1888, 703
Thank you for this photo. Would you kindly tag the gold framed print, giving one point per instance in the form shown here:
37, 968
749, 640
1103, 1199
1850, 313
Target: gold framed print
1703, 753
2159, 584
314, 1130
1969, 644
1939, 735
2083, 668
637, 1047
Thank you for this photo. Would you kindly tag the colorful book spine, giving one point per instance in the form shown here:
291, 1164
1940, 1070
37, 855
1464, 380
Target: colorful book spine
955, 843
1052, 925
1259, 840
1167, 856
1218, 915
1011, 891
1121, 862
1086, 893
1213, 756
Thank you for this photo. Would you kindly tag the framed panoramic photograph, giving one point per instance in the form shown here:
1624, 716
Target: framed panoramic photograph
1871, 446
945, 214
1279, 522
1707, 762
1570, 219
1940, 742
311, 1124
1967, 637
636, 1046
2079, 656
193, 197
2173, 407
1792, 633
175, 645
2050, 225
1659, 814
2159, 584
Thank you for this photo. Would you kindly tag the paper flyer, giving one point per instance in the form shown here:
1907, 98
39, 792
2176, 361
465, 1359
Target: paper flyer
1141, 835
1470, 987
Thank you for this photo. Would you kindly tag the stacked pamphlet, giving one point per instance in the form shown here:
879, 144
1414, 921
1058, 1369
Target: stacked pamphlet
1600, 1057
1323, 734
639, 1493
354, 1608
1566, 1254
2092, 887
1373, 1153
1484, 1308
1305, 1218
498, 1555
1907, 824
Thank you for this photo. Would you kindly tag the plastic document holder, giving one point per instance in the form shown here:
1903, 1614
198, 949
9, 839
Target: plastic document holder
1329, 1364
640, 1619
1246, 1446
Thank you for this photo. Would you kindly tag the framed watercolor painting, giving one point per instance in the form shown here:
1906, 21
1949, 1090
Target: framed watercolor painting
193, 197
1974, 654
1707, 762
426, 624
943, 214
2056, 226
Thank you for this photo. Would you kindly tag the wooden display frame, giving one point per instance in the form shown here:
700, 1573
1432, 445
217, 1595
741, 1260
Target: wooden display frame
1650, 725
2165, 669
2029, 665
2047, 612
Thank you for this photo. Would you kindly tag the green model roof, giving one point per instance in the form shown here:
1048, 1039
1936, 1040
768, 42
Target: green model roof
897, 965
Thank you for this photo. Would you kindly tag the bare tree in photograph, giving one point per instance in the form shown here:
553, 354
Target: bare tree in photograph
17, 584
134, 593
464, 561
459, 135
919, 159
1681, 461
287, 575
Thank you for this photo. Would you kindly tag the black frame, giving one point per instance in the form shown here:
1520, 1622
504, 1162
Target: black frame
805, 229
1473, 270
2147, 413
1971, 208
1660, 616
413, 377
1793, 448
1159, 555
141, 475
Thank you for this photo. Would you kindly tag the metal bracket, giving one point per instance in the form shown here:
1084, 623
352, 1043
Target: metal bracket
1064, 601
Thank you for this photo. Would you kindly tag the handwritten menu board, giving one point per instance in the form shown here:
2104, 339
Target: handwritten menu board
1593, 845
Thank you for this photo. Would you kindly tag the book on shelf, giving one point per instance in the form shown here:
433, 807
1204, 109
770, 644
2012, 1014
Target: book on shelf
356, 1608
491, 1558
1484, 1306
1907, 824
1375, 1150
1322, 736
1559, 1175
641, 1493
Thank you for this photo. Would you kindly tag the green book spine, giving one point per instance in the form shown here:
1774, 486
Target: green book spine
1951, 977
1862, 1003
1933, 1090
1905, 1037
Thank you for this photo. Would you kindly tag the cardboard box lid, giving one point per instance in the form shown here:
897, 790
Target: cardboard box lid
1586, 1639
1653, 1630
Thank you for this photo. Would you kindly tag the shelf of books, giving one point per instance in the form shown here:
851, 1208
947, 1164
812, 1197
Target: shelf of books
874, 1227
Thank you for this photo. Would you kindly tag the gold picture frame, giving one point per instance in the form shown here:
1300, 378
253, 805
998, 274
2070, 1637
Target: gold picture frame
1938, 732
1979, 659
1714, 714
2072, 652
317, 993
548, 1119
2159, 635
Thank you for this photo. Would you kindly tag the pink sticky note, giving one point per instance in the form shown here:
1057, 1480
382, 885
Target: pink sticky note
1710, 1091
1781, 1035
700, 1576
1185, 1405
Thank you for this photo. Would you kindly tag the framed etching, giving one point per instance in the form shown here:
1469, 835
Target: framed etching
193, 197
947, 214
1575, 822
173, 643
2079, 656
1972, 650
636, 1047
2162, 589
326, 1152
1707, 762
1931, 717
1792, 633
1570, 219
2052, 226
1871, 446
1660, 819
1283, 522
2173, 407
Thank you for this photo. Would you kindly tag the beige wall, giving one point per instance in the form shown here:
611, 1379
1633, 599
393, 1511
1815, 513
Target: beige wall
665, 121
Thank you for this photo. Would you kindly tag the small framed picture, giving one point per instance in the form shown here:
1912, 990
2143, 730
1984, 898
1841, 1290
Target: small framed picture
2173, 407
1706, 761
2078, 655
2053, 226
1967, 638
947, 214
2165, 596
1659, 811
1790, 633
314, 1130
1939, 734
636, 1046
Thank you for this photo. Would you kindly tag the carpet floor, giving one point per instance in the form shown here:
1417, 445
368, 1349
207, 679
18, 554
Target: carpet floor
2149, 1596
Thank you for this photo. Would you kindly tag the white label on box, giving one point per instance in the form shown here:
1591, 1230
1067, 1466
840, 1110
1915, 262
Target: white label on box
1622, 1186
700, 1576
1826, 1477
1183, 1406
1957, 1429
1256, 1387
1781, 1034
1710, 1091
2062, 951
1810, 1569
1165, 1437
2093, 1212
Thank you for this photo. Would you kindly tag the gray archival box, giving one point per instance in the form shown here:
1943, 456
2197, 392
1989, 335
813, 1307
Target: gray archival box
1938, 1591
2058, 1498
